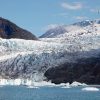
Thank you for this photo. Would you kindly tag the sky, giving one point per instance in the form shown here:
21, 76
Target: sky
37, 16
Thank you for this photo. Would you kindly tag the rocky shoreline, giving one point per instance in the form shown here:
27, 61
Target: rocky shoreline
85, 70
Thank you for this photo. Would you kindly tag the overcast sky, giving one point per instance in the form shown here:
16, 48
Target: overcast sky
39, 15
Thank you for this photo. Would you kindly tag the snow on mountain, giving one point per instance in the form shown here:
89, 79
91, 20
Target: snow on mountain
74, 30
54, 31
84, 35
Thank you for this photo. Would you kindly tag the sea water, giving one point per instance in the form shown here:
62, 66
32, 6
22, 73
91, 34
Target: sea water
46, 93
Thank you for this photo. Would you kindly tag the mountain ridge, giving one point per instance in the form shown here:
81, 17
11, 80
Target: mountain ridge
10, 30
62, 29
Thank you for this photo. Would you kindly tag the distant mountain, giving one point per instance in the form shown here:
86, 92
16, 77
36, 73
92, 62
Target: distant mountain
54, 32
78, 28
10, 30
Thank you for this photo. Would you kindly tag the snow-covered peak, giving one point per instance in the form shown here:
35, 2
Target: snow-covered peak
54, 31
73, 29
87, 23
83, 23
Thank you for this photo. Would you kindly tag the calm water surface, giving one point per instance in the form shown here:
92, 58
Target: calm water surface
46, 93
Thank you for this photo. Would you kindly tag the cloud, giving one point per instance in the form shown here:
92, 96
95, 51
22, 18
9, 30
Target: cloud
73, 6
80, 17
49, 27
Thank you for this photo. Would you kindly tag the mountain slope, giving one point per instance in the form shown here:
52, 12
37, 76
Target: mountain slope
10, 30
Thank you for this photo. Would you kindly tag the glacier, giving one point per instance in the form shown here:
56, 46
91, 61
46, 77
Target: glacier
30, 59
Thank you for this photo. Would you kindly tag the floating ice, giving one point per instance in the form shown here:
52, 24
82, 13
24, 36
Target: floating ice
66, 86
78, 84
90, 89
32, 87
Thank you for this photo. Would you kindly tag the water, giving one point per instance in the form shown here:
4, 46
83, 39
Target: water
46, 93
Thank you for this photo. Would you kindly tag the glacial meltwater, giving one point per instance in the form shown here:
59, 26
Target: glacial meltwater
47, 93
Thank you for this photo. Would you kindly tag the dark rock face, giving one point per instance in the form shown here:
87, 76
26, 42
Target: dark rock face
85, 70
10, 30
